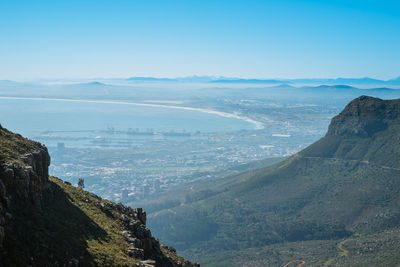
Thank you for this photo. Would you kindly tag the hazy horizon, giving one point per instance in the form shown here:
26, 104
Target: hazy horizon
211, 77
250, 39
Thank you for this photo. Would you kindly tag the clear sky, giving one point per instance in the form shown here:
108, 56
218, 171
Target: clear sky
249, 38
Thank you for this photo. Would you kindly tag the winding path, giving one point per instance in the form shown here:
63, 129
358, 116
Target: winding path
342, 253
293, 261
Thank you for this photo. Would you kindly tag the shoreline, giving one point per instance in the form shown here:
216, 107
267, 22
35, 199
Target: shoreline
257, 125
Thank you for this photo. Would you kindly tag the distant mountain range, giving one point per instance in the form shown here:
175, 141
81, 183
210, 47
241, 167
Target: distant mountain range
228, 80
195, 79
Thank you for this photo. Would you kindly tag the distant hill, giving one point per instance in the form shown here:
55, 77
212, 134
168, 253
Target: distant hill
335, 203
339, 86
250, 81
188, 79
311, 81
47, 222
150, 79
395, 81
359, 81
94, 84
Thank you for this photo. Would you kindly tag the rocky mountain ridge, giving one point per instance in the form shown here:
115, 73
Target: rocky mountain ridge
342, 192
367, 130
43, 214
365, 116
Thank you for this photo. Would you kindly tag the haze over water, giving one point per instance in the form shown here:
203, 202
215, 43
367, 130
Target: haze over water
32, 118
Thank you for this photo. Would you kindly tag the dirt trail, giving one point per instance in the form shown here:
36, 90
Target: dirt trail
342, 253
293, 261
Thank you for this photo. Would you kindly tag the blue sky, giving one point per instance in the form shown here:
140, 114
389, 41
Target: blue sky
253, 39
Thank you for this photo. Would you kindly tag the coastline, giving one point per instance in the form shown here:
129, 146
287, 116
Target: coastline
257, 125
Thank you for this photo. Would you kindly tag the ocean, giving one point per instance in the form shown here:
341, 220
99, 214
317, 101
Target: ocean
98, 123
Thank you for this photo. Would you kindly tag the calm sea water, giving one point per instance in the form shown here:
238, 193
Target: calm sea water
53, 122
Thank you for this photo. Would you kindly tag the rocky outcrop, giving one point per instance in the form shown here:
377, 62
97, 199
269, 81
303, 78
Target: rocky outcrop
365, 116
23, 180
30, 200
142, 245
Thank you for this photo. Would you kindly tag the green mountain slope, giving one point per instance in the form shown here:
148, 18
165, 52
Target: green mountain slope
343, 190
46, 222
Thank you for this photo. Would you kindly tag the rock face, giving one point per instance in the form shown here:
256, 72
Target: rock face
26, 179
28, 197
364, 116
142, 245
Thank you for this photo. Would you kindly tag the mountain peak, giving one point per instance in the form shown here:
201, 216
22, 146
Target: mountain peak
365, 116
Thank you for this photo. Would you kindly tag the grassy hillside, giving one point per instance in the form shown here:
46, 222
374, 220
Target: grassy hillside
381, 249
70, 226
343, 188
190, 192
13, 146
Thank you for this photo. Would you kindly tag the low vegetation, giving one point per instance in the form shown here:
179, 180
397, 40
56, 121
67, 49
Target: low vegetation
344, 186
13, 146
70, 227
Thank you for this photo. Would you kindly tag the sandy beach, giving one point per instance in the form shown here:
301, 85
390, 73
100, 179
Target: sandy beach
257, 125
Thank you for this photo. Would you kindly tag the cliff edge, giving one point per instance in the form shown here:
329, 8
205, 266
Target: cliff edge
47, 222
365, 116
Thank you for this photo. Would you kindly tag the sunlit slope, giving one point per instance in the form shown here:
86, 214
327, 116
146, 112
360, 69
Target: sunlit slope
346, 183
